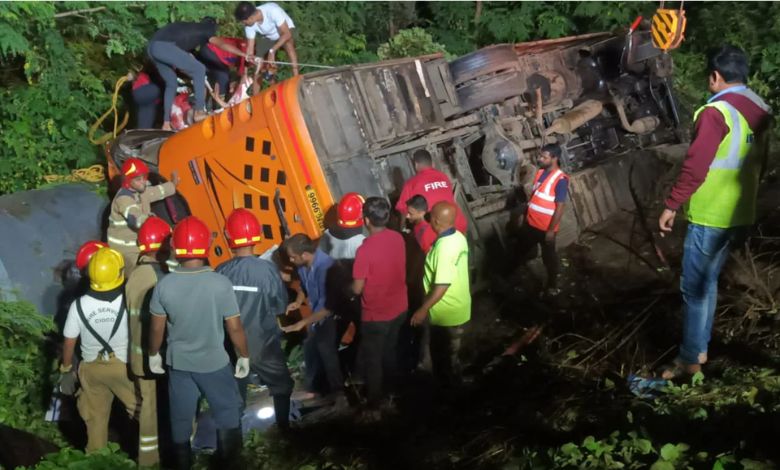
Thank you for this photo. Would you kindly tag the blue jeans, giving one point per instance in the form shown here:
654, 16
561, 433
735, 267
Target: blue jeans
706, 250
184, 391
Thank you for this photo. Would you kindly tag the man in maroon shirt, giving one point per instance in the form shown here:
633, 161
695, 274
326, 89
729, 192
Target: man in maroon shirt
718, 184
432, 184
380, 278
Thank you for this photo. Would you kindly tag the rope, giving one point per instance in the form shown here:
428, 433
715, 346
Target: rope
92, 174
117, 125
279, 62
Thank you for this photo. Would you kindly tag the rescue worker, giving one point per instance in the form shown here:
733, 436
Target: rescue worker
717, 186
198, 305
261, 297
85, 252
218, 63
146, 91
343, 240
170, 50
319, 348
380, 280
544, 212
132, 206
275, 27
447, 303
153, 244
99, 320
431, 184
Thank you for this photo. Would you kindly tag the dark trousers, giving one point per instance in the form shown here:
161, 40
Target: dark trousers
322, 358
147, 105
379, 355
184, 390
445, 353
167, 56
268, 361
217, 72
531, 238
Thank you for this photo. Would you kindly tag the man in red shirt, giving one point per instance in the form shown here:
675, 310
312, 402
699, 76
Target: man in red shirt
431, 184
380, 278
416, 210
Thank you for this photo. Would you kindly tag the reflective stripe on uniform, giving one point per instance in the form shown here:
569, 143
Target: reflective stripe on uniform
148, 438
245, 288
543, 210
127, 209
117, 223
148, 448
733, 160
119, 241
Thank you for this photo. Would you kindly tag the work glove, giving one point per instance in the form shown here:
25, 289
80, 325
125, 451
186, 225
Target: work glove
242, 367
67, 382
156, 364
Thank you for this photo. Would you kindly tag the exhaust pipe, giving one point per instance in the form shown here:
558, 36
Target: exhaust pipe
576, 117
643, 125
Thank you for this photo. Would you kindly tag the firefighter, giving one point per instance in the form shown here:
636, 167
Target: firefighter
152, 243
85, 252
431, 184
261, 297
198, 305
132, 206
99, 319
343, 240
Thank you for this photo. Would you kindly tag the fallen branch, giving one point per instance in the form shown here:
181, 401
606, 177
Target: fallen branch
78, 12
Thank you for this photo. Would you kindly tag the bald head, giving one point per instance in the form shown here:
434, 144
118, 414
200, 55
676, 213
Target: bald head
443, 216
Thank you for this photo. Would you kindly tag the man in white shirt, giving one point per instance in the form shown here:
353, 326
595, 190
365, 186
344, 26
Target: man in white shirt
99, 318
275, 27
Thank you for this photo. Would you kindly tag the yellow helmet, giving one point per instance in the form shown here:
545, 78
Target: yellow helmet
106, 270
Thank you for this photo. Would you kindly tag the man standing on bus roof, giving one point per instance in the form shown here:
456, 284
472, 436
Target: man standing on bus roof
275, 27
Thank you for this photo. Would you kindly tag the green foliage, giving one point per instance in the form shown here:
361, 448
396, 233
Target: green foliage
108, 458
25, 369
753, 387
409, 43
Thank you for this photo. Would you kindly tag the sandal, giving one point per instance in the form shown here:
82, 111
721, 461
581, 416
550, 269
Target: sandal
677, 370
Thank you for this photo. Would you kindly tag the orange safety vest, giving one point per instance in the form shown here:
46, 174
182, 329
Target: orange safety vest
541, 207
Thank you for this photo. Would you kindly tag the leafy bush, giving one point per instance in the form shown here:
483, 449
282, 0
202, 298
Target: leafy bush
107, 458
409, 43
25, 369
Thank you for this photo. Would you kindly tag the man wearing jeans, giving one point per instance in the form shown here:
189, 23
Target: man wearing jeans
319, 348
717, 186
380, 278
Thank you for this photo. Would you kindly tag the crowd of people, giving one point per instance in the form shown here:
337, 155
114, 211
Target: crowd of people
218, 64
155, 308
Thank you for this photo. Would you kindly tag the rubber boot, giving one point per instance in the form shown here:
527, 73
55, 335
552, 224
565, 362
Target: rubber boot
182, 454
229, 443
282, 411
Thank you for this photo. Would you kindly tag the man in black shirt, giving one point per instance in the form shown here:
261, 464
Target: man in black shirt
261, 297
170, 48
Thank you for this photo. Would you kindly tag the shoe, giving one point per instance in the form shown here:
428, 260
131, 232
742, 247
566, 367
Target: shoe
303, 395
182, 454
199, 116
229, 444
678, 369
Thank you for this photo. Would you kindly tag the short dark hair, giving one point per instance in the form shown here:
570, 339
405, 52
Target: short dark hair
209, 20
552, 149
244, 10
730, 62
299, 244
377, 211
422, 157
418, 202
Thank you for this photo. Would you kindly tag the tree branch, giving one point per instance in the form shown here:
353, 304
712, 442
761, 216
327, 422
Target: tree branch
78, 12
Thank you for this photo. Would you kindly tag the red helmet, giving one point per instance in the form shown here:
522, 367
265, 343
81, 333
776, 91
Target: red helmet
86, 251
131, 168
191, 238
350, 211
242, 228
153, 234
